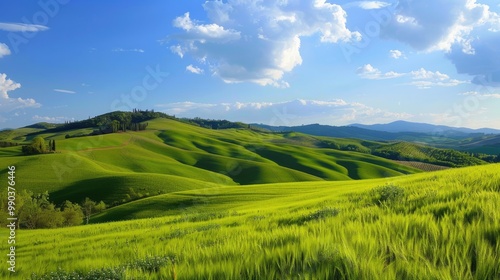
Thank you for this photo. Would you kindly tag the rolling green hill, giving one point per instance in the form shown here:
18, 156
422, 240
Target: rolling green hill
484, 141
189, 202
152, 161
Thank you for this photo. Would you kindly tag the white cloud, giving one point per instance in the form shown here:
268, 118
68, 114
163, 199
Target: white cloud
4, 50
65, 91
436, 24
128, 50
183, 107
258, 41
22, 27
423, 74
396, 54
7, 85
467, 31
194, 69
425, 79
205, 32
429, 84
296, 112
368, 5
177, 50
482, 95
494, 22
422, 78
8, 103
51, 119
367, 71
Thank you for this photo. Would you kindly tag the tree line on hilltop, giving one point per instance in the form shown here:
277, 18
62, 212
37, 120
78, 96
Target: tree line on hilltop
110, 122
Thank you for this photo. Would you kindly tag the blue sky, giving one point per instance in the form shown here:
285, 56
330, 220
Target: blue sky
285, 62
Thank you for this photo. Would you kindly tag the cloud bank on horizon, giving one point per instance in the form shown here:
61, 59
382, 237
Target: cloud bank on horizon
289, 113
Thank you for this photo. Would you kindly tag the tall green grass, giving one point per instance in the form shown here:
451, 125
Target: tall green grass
441, 225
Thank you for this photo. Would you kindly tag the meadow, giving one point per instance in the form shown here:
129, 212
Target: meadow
192, 203
438, 225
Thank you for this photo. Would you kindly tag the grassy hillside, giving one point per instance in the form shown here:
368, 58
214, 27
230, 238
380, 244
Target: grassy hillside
441, 142
153, 161
440, 225
404, 151
190, 202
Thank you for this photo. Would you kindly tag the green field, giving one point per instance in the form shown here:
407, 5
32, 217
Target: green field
195, 203
106, 166
441, 225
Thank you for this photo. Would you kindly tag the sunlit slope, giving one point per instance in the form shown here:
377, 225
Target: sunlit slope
106, 167
297, 152
440, 225
289, 195
74, 177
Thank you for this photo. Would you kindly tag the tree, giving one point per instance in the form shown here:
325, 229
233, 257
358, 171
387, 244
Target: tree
72, 214
101, 206
115, 125
21, 199
38, 212
37, 146
53, 145
88, 207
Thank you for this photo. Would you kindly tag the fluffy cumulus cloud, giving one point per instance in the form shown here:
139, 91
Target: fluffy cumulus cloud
369, 72
296, 112
467, 31
4, 50
7, 85
437, 24
258, 41
8, 103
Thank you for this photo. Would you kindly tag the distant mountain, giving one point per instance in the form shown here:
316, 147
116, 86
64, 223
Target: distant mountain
404, 126
333, 131
397, 132
465, 139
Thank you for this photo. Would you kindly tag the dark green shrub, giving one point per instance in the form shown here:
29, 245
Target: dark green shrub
152, 264
387, 194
